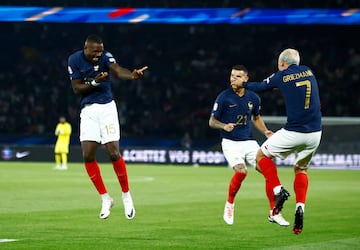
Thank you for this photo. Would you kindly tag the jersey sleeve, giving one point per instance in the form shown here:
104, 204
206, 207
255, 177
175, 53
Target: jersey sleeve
257, 105
57, 130
217, 107
73, 68
67, 129
109, 58
267, 84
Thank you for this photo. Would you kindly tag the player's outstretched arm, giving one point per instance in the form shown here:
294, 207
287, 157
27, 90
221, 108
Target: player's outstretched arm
126, 74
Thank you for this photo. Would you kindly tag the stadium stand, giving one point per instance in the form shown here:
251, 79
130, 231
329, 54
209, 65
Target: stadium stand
189, 66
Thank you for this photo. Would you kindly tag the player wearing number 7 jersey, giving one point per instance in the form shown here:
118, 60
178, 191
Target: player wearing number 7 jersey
301, 134
90, 71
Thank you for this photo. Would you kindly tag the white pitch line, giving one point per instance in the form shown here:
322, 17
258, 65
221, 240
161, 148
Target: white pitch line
44, 13
7, 240
142, 179
135, 179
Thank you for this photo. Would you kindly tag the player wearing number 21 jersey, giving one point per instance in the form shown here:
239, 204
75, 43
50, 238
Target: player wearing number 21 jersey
235, 111
301, 134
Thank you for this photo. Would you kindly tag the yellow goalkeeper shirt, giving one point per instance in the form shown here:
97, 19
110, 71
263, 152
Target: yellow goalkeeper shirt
63, 132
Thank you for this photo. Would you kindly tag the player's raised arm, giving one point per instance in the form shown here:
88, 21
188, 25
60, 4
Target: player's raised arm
126, 74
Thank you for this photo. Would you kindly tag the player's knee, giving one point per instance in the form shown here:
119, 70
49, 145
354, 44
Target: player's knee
259, 155
88, 157
114, 155
240, 168
258, 169
300, 169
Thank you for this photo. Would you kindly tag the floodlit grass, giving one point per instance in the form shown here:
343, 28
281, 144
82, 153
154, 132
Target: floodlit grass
177, 207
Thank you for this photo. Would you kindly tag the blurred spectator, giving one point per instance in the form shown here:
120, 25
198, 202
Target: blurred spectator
186, 141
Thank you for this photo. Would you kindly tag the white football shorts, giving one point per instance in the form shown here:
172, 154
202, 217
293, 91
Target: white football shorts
240, 152
284, 142
100, 123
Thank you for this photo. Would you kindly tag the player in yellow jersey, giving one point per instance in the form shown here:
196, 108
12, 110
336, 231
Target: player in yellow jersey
63, 132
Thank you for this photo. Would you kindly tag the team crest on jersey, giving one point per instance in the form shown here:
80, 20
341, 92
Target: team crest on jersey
96, 67
250, 106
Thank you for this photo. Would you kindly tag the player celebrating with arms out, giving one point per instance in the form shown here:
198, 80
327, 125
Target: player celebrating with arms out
90, 72
234, 112
301, 134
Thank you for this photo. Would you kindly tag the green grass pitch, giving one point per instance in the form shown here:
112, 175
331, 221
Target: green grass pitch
177, 207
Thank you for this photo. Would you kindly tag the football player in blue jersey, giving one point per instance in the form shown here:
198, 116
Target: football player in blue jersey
90, 71
301, 134
234, 111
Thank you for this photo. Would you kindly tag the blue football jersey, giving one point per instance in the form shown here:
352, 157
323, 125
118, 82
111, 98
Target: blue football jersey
299, 88
231, 108
80, 68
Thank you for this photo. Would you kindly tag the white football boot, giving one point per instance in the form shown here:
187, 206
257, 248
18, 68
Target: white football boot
229, 213
129, 208
278, 219
105, 208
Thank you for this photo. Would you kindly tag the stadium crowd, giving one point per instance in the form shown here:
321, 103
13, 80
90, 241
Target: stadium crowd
189, 65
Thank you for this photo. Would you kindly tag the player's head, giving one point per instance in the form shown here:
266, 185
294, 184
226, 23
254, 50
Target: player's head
288, 57
62, 119
239, 74
93, 48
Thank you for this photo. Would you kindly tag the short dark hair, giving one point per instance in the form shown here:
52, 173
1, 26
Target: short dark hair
240, 67
93, 39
